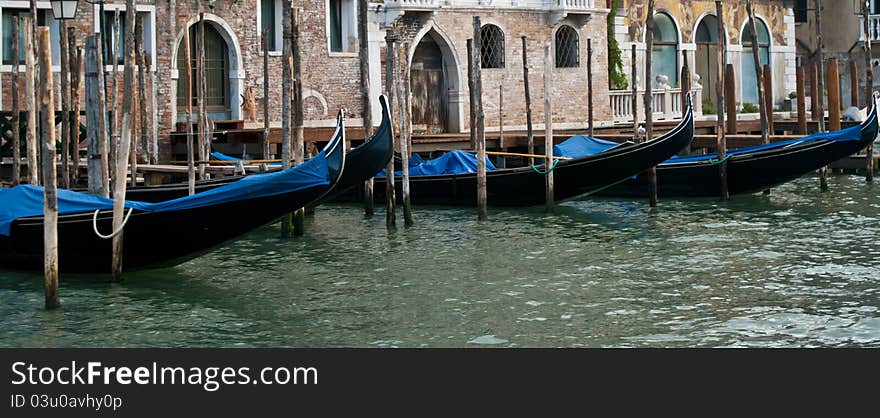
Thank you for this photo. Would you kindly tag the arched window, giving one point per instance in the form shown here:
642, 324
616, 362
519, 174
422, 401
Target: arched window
706, 57
664, 55
567, 47
749, 78
491, 47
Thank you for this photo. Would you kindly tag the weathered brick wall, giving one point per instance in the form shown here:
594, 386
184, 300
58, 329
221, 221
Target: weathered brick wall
569, 85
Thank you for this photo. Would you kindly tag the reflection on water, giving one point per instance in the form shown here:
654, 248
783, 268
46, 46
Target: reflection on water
798, 268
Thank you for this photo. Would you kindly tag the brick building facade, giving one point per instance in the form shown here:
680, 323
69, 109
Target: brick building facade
331, 77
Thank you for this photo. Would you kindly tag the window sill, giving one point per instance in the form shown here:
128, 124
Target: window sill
343, 54
271, 53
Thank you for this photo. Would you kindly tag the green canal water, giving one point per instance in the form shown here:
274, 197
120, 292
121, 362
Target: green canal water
797, 268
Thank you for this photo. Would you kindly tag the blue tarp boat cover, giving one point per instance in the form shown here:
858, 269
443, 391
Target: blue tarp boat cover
453, 162
27, 200
581, 146
415, 160
223, 157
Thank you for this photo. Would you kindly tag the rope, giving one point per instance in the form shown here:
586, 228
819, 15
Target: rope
552, 167
716, 162
115, 233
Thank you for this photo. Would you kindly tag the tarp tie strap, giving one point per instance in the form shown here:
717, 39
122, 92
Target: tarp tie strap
552, 167
115, 233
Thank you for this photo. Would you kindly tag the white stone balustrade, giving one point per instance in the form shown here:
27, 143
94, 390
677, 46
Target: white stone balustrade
666, 104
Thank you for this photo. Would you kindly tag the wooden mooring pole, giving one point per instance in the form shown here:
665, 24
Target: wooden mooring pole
16, 105
298, 144
730, 99
548, 130
50, 194
649, 123
30, 100
854, 89
404, 101
187, 85
96, 117
685, 78
472, 112
768, 100
286, 89
820, 80
530, 136
590, 86
719, 93
482, 203
63, 74
75, 61
202, 93
367, 112
759, 73
114, 104
815, 94
264, 42
759, 77
142, 148
122, 157
801, 102
869, 90
634, 81
501, 117
833, 95
390, 211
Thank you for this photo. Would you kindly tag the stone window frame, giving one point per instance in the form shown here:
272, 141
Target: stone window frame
349, 28
42, 7
149, 29
576, 47
279, 22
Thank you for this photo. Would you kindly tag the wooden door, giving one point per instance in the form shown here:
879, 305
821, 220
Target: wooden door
428, 86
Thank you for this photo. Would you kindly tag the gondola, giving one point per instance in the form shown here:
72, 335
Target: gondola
753, 169
163, 233
572, 178
361, 163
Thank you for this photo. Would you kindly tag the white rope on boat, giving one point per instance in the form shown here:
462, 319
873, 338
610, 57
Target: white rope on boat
115, 233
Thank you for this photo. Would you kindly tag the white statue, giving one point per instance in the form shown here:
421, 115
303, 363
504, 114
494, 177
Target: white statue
662, 81
697, 84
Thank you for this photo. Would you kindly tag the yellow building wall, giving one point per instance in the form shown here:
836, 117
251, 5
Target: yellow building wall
687, 12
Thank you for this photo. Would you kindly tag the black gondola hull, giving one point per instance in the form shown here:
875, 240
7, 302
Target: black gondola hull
747, 173
150, 239
526, 187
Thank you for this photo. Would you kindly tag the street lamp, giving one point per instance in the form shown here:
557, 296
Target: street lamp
64, 9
